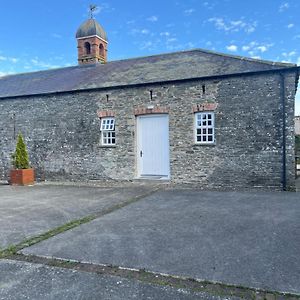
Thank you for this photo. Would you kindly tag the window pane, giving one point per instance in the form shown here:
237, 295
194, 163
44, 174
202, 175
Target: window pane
108, 131
204, 131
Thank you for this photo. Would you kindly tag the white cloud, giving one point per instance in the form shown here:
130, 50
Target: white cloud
208, 5
262, 48
171, 40
152, 19
233, 26
56, 35
14, 60
253, 48
139, 31
190, 45
284, 6
165, 33
289, 54
188, 12
147, 46
256, 57
41, 64
290, 26
232, 48
4, 74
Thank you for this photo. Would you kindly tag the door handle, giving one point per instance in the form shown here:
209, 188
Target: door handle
141, 153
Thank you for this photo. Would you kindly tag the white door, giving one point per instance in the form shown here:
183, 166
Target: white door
153, 146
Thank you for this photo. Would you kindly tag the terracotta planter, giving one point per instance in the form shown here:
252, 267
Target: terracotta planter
22, 177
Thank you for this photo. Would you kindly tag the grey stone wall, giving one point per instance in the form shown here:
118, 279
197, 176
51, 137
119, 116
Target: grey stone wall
63, 133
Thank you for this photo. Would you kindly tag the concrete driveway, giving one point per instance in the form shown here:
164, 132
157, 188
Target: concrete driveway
248, 239
30, 211
36, 282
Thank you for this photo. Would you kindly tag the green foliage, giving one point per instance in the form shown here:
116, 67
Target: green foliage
20, 158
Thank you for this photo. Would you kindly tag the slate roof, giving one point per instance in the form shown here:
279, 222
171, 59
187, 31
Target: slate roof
164, 67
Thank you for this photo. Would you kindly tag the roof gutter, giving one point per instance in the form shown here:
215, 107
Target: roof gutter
174, 81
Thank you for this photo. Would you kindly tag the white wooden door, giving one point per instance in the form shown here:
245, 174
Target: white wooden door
153, 146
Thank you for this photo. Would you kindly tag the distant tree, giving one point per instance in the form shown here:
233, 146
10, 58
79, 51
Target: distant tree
20, 158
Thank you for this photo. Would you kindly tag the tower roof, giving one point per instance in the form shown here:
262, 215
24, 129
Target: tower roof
89, 28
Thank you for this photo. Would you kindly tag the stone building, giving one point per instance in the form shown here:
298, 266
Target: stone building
194, 117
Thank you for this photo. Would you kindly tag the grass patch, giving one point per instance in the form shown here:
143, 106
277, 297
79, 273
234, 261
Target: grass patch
13, 249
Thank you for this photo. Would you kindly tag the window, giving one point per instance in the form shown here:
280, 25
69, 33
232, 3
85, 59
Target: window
101, 50
87, 47
205, 128
108, 134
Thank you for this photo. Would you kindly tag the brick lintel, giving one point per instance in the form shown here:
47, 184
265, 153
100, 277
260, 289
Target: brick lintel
205, 107
105, 113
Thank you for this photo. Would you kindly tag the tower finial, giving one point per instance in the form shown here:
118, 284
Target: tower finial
93, 8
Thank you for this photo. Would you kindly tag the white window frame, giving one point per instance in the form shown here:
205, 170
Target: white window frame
204, 128
108, 132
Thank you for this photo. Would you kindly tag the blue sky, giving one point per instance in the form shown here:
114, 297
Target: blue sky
37, 35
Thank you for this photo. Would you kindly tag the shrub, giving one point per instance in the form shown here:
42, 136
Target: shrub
20, 158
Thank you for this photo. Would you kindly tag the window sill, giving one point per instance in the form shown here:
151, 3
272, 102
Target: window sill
205, 144
108, 146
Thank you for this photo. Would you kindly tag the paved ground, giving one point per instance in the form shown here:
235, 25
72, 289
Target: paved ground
249, 239
34, 281
29, 211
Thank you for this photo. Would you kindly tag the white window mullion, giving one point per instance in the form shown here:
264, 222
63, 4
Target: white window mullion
108, 135
204, 128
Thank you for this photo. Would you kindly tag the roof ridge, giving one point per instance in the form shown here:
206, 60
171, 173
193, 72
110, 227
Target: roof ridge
240, 57
266, 62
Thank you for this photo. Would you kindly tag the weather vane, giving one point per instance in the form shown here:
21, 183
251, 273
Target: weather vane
93, 8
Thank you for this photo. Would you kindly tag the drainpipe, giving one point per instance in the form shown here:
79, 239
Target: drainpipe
282, 97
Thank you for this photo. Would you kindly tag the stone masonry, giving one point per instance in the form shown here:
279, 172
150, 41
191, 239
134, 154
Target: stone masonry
62, 132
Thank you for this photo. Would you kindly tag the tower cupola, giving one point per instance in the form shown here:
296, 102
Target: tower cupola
91, 43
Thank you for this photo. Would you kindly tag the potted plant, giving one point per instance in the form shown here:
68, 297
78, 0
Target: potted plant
22, 174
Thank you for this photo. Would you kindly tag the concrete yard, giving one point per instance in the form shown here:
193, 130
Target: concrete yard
29, 211
248, 239
34, 281
231, 240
